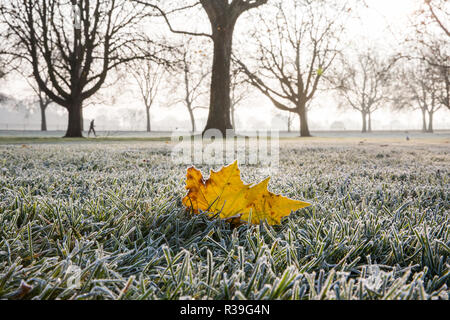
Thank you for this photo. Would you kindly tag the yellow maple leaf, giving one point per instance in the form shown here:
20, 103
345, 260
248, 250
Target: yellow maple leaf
225, 194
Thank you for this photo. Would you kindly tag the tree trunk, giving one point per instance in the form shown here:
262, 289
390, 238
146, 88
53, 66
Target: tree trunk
289, 123
430, 122
304, 129
74, 129
82, 120
424, 121
149, 125
370, 122
219, 109
364, 122
191, 115
43, 118
233, 119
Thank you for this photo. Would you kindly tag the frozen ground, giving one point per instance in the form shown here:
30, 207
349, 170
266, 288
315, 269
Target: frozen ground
105, 221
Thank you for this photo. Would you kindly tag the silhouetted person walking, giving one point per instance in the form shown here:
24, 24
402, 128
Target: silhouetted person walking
91, 128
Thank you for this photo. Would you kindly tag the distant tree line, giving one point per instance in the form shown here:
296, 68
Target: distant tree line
290, 53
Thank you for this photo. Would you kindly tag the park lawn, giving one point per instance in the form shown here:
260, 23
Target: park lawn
53, 140
112, 212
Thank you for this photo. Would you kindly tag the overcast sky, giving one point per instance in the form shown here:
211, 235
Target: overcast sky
382, 25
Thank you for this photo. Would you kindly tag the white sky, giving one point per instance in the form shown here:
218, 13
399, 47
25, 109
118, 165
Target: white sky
381, 24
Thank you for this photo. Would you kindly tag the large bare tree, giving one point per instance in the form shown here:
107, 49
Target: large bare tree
295, 49
364, 84
76, 43
222, 15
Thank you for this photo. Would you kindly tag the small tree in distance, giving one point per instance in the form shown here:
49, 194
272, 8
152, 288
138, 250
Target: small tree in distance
193, 74
419, 87
43, 100
148, 76
364, 85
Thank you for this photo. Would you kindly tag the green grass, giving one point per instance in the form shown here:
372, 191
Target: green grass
378, 229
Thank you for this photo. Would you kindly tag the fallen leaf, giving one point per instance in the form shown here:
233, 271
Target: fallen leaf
225, 194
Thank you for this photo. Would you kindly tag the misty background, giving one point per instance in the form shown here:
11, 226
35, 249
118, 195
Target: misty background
381, 24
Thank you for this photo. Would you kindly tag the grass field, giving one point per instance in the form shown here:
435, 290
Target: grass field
107, 217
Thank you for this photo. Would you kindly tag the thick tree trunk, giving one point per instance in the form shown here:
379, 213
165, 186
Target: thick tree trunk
304, 128
424, 120
430, 122
364, 122
370, 122
149, 125
74, 128
43, 118
219, 109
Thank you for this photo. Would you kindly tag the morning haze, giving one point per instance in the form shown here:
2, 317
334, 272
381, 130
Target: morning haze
386, 28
